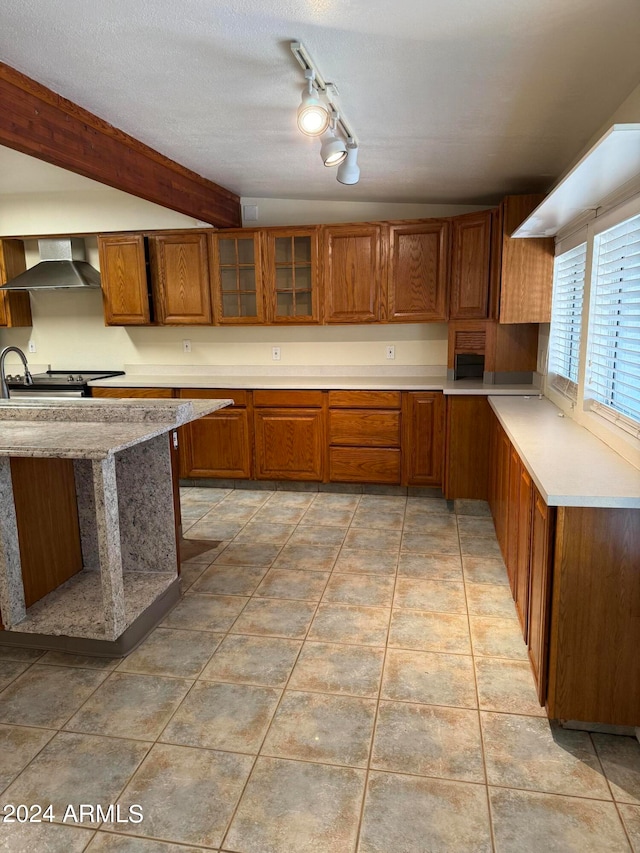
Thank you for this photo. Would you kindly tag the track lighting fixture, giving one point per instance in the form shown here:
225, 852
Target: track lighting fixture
318, 115
313, 115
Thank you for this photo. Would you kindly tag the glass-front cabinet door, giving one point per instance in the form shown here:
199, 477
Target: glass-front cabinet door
237, 277
291, 275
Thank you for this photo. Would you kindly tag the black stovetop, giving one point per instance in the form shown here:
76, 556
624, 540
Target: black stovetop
61, 380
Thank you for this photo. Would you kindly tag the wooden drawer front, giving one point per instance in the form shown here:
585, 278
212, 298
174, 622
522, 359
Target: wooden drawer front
240, 398
305, 399
363, 427
364, 465
132, 392
364, 399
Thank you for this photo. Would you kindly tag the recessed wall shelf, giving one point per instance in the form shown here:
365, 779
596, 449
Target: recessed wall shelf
612, 162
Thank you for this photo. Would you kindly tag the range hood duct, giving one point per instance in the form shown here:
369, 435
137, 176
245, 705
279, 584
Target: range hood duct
62, 265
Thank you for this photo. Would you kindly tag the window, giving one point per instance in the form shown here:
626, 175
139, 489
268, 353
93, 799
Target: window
566, 314
613, 365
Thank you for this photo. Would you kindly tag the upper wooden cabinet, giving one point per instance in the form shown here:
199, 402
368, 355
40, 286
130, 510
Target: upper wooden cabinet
180, 278
15, 307
418, 271
524, 266
470, 266
236, 276
352, 273
291, 275
125, 284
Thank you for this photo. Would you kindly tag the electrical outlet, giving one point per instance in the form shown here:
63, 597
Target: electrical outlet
32, 346
391, 351
275, 353
186, 346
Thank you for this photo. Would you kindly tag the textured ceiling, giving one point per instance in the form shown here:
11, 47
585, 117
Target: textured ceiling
452, 100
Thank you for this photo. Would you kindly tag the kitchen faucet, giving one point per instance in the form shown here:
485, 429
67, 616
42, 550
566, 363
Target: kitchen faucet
28, 379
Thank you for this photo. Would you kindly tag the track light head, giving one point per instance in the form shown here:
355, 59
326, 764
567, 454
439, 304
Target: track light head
333, 150
313, 115
349, 171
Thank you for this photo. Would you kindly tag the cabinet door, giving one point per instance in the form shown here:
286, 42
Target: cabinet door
125, 287
423, 437
236, 276
15, 307
351, 273
180, 276
540, 591
525, 499
470, 271
418, 271
219, 444
513, 518
468, 435
501, 514
289, 444
291, 278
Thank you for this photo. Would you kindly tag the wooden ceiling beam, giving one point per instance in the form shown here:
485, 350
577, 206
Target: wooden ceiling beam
43, 124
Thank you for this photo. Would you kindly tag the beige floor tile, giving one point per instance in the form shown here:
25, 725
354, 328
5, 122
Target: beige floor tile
77, 768
187, 795
367, 562
466, 506
44, 838
265, 532
287, 583
47, 695
275, 618
276, 512
498, 638
189, 574
430, 632
314, 558
429, 506
329, 668
8, 653
430, 678
107, 842
339, 623
245, 554
328, 500
479, 546
199, 612
324, 728
486, 599
18, 745
287, 498
485, 570
233, 717
298, 806
631, 819
9, 671
532, 753
409, 814
194, 494
366, 539
436, 596
328, 516
316, 534
214, 529
526, 822
620, 757
442, 567
204, 558
378, 519
182, 654
253, 660
383, 503
130, 706
53, 658
429, 741
430, 544
371, 590
247, 497
507, 686
429, 523
228, 580
476, 526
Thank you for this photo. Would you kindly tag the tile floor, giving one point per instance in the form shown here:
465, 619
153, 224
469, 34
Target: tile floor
344, 673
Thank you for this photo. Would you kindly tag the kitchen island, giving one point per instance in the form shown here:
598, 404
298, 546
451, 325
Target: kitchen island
121, 575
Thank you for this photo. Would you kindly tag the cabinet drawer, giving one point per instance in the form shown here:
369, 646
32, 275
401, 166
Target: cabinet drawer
364, 399
304, 399
364, 465
132, 392
364, 427
240, 398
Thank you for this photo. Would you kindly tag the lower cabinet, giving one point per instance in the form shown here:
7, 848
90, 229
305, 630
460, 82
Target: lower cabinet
541, 552
289, 435
423, 419
220, 444
467, 437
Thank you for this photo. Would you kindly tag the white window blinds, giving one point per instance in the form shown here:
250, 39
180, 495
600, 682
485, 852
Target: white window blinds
566, 319
614, 339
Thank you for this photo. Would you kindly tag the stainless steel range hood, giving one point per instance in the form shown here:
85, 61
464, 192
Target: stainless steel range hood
62, 265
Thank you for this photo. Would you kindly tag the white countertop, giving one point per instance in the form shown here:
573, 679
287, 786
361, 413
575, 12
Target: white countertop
361, 378
91, 429
568, 464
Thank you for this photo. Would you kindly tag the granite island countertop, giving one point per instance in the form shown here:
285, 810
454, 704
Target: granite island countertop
569, 465
91, 429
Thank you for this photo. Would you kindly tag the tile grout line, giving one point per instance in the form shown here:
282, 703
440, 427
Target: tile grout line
615, 802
